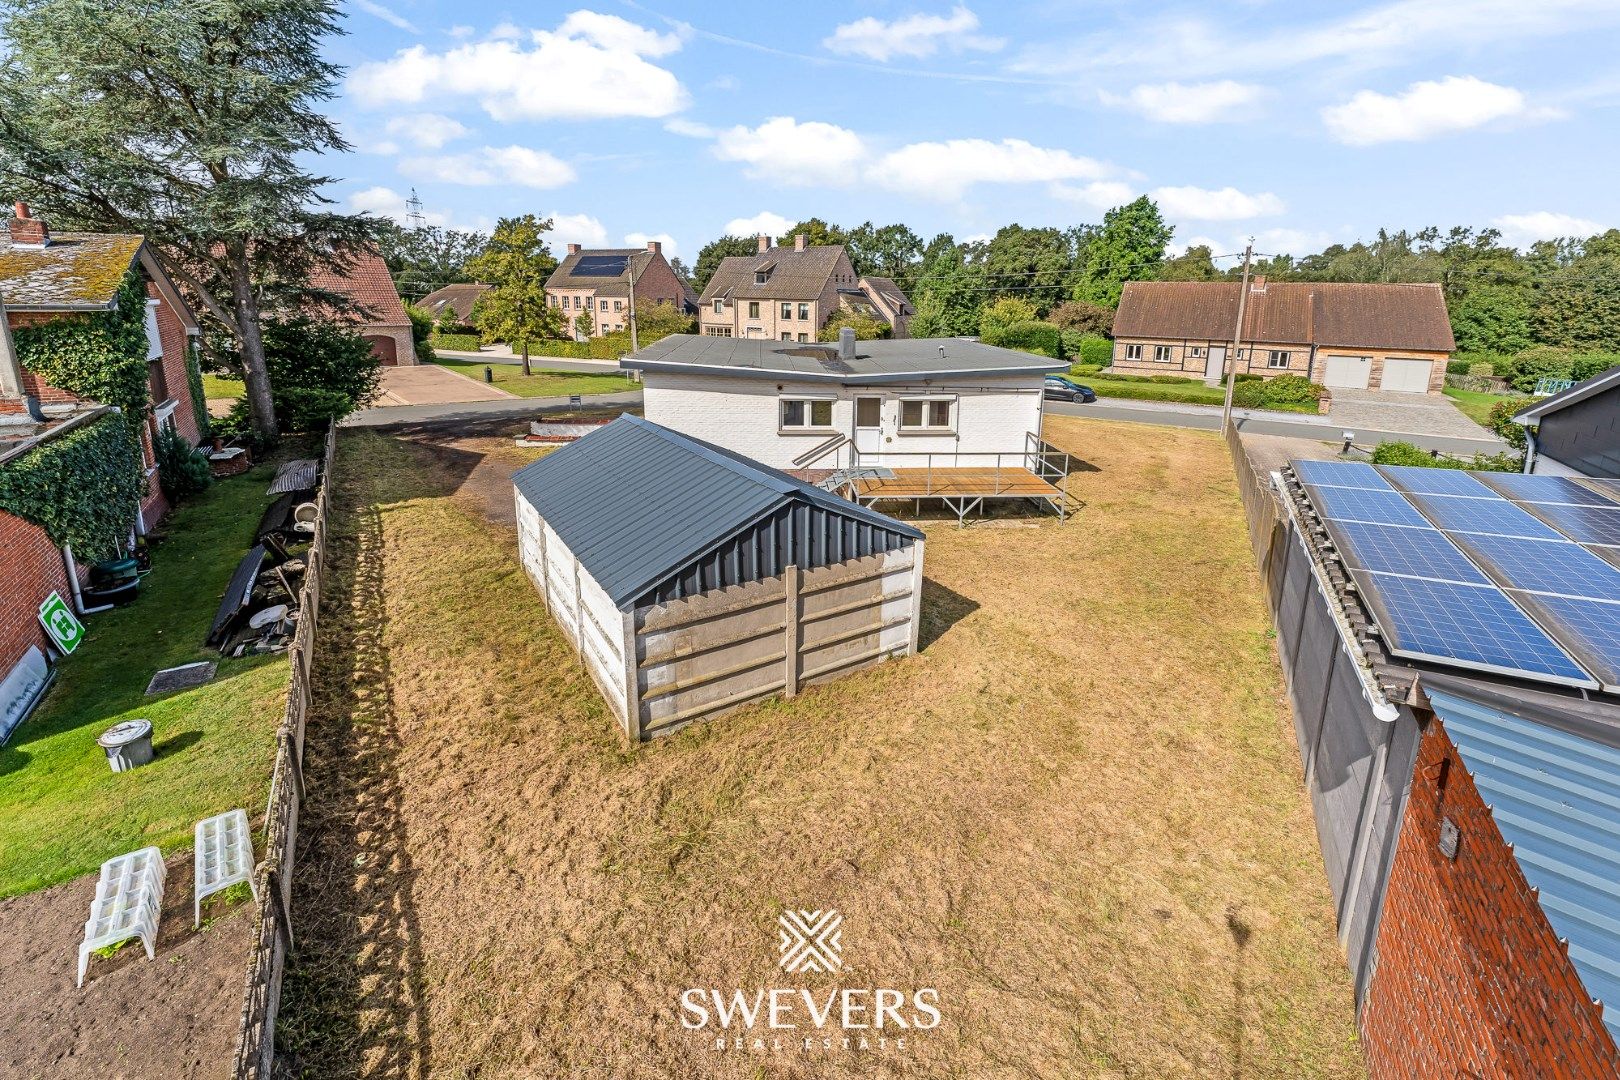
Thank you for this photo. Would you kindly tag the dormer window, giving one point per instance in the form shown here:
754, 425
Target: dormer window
761, 276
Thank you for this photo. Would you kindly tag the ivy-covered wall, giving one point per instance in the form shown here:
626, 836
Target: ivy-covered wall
82, 488
101, 356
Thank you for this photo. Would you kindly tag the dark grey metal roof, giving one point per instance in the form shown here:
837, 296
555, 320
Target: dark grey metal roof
883, 360
639, 505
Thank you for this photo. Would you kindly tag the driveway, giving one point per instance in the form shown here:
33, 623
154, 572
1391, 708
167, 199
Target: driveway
1415, 414
429, 384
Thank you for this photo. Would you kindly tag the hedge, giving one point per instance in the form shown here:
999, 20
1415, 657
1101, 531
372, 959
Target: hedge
454, 342
1030, 336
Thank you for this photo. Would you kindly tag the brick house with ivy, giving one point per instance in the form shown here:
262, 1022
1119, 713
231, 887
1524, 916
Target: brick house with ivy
89, 322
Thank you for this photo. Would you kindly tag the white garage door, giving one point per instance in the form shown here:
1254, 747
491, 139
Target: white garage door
1348, 372
1406, 376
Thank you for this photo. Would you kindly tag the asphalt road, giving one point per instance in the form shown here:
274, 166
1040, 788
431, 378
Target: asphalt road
1293, 425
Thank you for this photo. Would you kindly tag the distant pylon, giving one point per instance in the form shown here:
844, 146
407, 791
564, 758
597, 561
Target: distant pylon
413, 211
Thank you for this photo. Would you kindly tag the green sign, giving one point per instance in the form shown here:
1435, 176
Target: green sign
64, 628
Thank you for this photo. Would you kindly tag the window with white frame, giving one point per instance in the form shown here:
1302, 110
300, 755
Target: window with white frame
618, 305
922, 415
804, 337
1195, 351
1161, 354
787, 335
753, 309
604, 305
719, 307
761, 276
1133, 352
804, 311
807, 414
787, 310
1277, 358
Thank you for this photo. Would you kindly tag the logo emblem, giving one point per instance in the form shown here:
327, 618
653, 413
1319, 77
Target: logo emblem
64, 629
811, 940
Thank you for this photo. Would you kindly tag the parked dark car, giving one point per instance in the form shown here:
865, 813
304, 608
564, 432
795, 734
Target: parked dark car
1058, 388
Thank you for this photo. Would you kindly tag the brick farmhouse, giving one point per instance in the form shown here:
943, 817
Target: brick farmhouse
1342, 335
789, 294
47, 276
599, 281
373, 308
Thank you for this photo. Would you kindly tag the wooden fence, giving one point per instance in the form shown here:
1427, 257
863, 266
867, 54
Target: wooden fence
272, 929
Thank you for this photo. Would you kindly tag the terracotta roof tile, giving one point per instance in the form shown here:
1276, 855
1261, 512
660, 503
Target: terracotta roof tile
457, 298
795, 275
363, 278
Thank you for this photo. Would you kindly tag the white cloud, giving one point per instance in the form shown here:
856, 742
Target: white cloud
945, 170
1190, 103
427, 130
915, 36
978, 238
1423, 110
1286, 241
1522, 230
579, 229
592, 66
1099, 194
388, 203
370, 7
491, 165
462, 33
763, 222
784, 150
689, 128
639, 239
1223, 204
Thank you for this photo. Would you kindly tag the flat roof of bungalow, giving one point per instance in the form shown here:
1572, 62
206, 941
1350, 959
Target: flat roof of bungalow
879, 361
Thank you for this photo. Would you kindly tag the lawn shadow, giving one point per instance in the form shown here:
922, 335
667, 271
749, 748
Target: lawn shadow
1241, 932
176, 743
354, 997
942, 608
13, 759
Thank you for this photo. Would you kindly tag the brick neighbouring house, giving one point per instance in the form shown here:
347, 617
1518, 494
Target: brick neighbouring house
44, 277
1468, 814
1343, 335
458, 299
598, 280
378, 315
789, 294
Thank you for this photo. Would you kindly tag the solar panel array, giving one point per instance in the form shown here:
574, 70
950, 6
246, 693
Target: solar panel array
1498, 572
600, 265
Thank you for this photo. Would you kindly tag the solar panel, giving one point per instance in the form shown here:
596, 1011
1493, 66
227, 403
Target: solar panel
1591, 629
1583, 524
1471, 625
1365, 504
1393, 550
1339, 474
1436, 481
1546, 489
1498, 516
600, 265
1550, 566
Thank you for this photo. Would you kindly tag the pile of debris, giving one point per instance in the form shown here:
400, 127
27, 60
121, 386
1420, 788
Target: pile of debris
259, 613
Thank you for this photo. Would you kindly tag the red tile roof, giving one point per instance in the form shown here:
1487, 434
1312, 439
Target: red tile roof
363, 277
1347, 314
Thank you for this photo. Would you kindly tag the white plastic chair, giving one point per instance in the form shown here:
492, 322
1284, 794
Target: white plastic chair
224, 856
129, 899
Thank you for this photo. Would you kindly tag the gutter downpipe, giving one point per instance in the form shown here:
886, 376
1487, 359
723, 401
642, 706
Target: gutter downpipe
73, 583
1529, 446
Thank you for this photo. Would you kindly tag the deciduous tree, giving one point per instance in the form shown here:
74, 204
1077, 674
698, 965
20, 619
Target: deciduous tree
516, 263
1128, 247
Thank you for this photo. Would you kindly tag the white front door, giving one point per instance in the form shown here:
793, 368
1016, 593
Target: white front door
1215, 362
1406, 376
1347, 372
869, 427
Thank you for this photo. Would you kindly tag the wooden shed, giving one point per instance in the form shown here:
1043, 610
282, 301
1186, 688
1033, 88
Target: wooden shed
692, 580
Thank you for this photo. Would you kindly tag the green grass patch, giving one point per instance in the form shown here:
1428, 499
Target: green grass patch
510, 377
1191, 393
62, 810
1476, 405
222, 386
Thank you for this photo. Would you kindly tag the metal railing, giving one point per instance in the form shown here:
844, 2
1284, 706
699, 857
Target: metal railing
1039, 458
272, 936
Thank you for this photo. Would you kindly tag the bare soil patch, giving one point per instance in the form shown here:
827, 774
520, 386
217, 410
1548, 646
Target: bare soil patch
173, 1017
1078, 813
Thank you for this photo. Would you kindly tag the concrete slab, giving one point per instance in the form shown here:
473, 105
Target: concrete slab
429, 384
1417, 414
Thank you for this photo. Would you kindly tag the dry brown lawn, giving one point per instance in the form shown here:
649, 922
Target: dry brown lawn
1077, 813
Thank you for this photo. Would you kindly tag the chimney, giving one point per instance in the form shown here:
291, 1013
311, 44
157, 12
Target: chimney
27, 230
846, 343
799, 241
1257, 284
656, 247
764, 243
573, 249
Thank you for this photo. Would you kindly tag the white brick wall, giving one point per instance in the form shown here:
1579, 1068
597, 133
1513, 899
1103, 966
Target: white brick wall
993, 415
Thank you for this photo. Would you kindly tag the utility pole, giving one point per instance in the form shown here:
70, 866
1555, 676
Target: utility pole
630, 271
1237, 339
414, 215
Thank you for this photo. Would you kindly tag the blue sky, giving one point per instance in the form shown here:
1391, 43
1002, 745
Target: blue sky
1298, 124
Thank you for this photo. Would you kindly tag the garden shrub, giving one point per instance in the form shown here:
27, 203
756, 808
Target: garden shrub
1249, 395
1096, 350
1291, 390
1482, 370
1457, 366
1084, 371
318, 372
1501, 421
454, 342
182, 468
1029, 335
1404, 453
